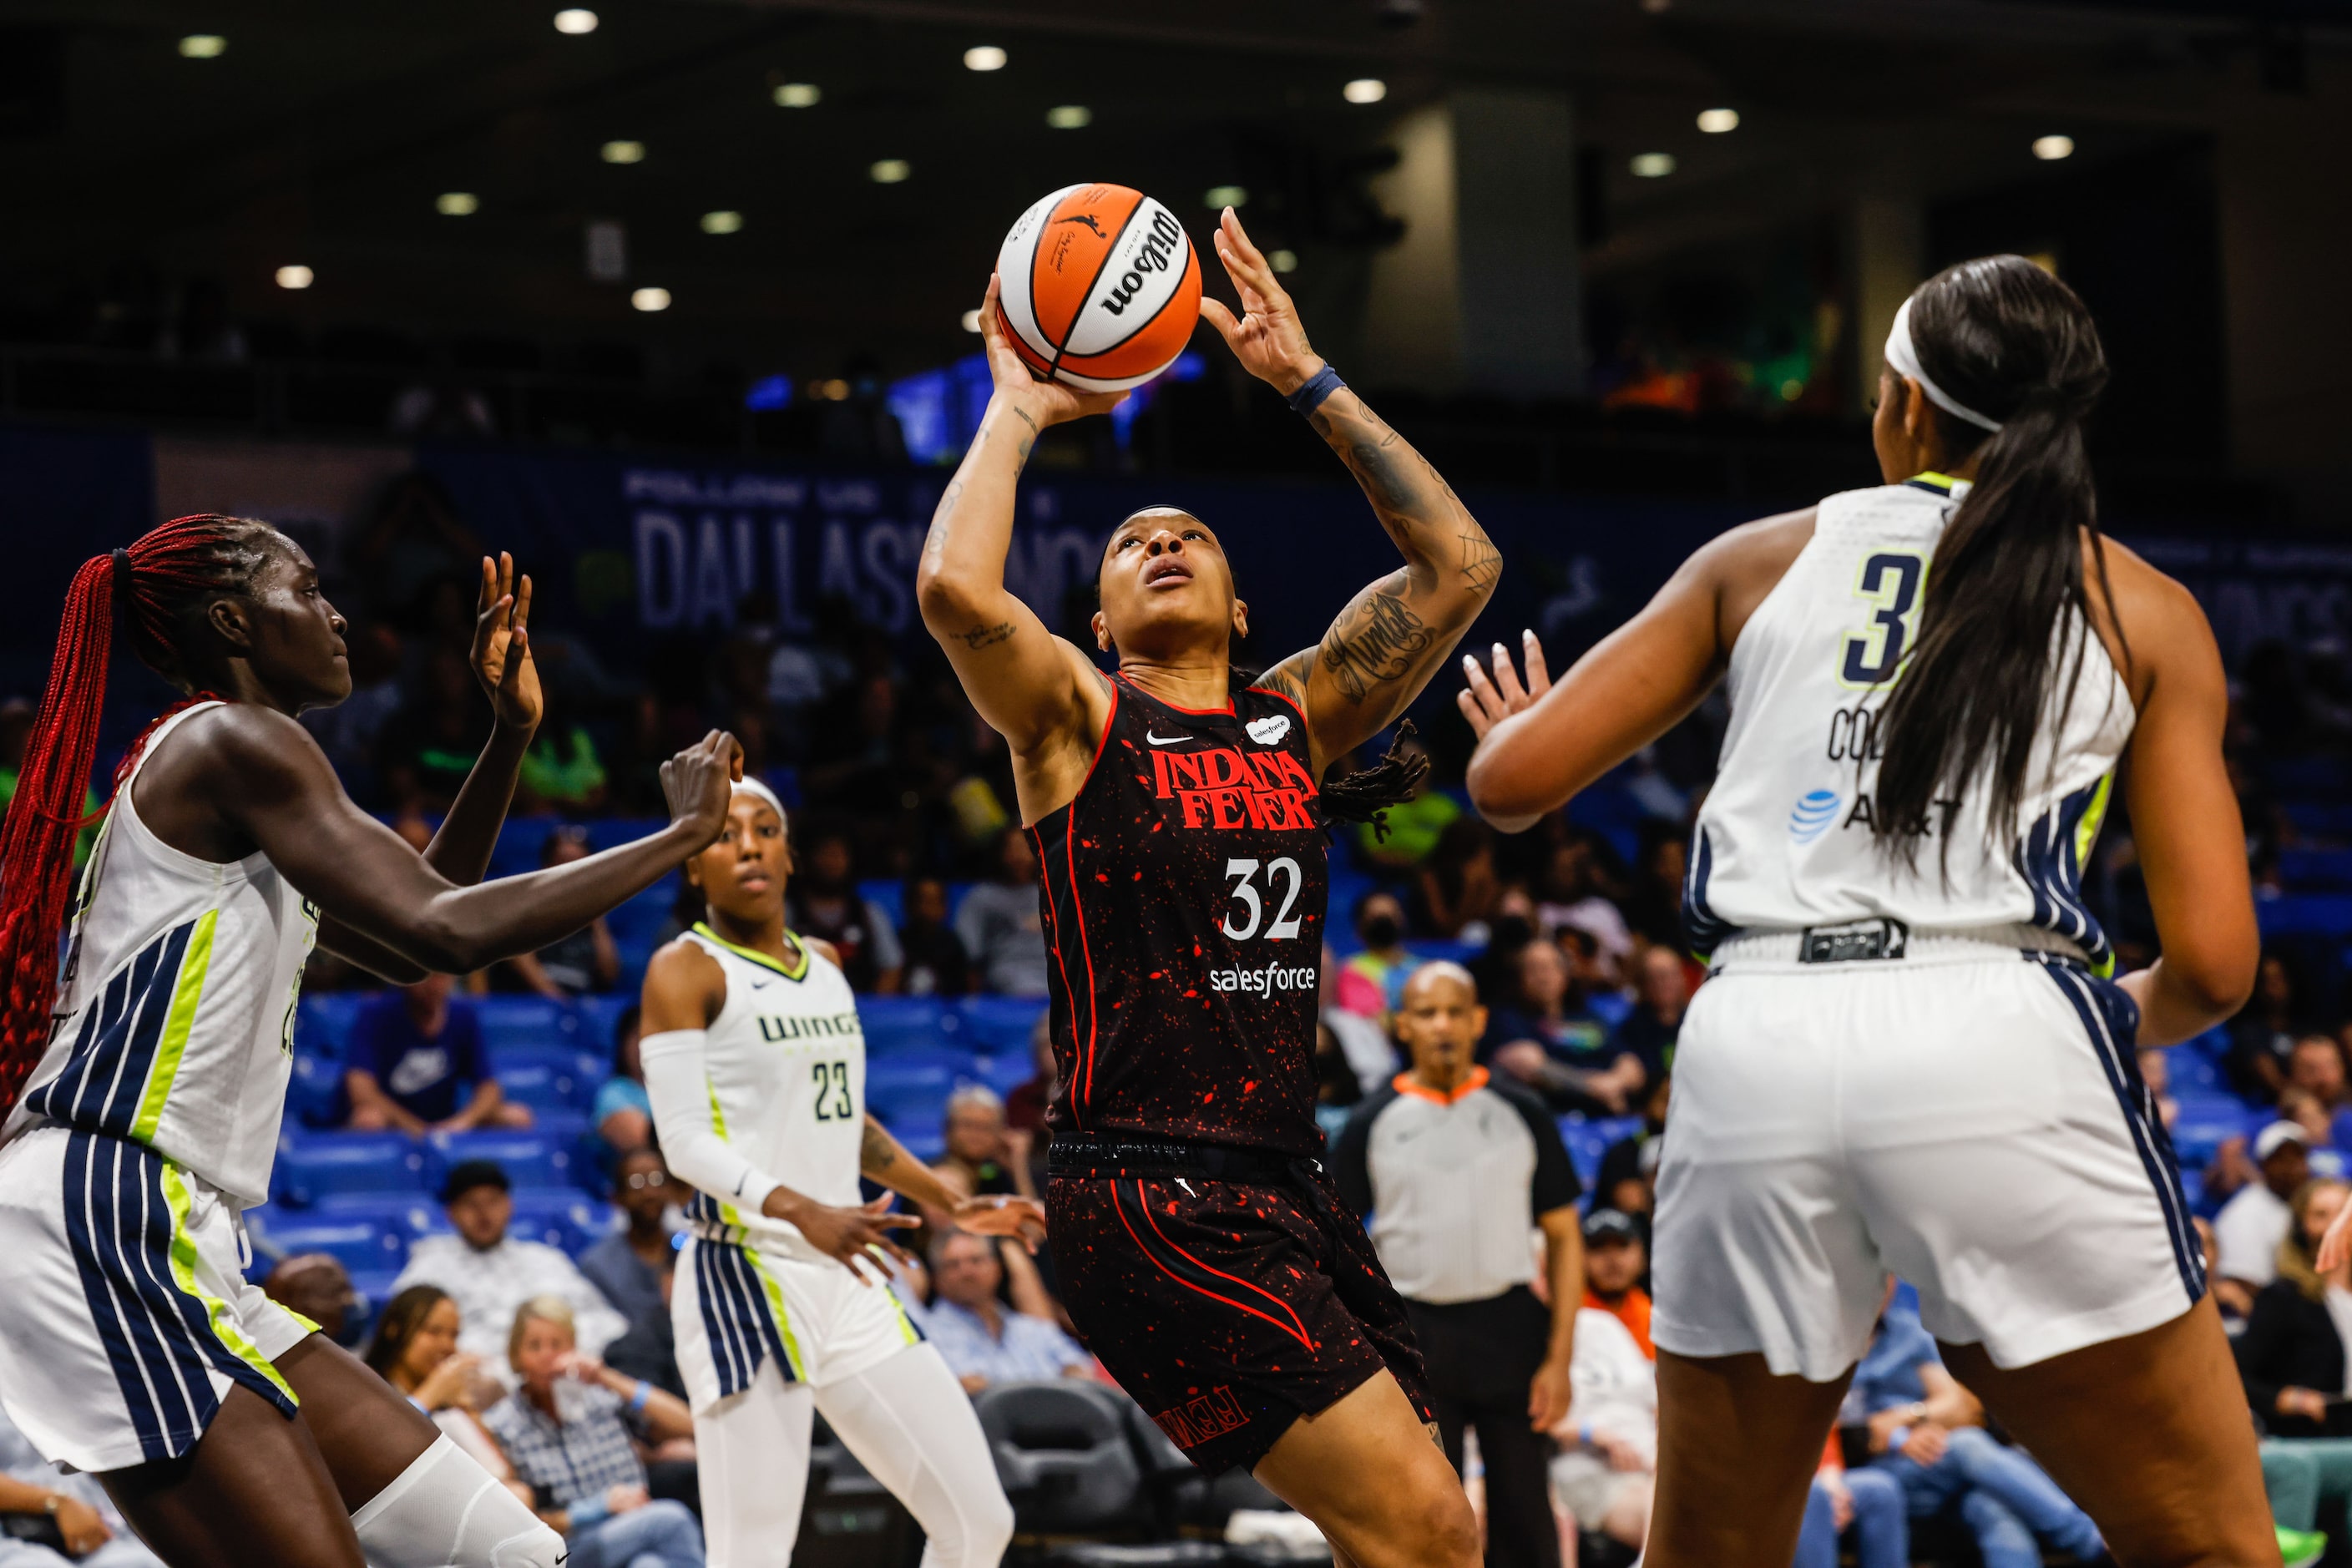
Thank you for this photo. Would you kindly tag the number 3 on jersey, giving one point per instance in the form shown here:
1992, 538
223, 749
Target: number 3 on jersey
1888, 582
1251, 908
833, 1101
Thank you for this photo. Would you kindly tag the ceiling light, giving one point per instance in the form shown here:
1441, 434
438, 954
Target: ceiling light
1365, 90
1652, 165
623, 152
1070, 117
1657, 7
834, 391
575, 21
202, 47
2050, 149
1716, 122
721, 222
1285, 261
457, 204
890, 170
971, 321
650, 299
983, 58
1225, 196
296, 277
797, 95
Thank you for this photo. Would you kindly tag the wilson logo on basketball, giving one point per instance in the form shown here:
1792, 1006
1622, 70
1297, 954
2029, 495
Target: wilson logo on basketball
1226, 787
1159, 253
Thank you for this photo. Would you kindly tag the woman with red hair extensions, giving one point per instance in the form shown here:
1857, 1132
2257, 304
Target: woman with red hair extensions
144, 1088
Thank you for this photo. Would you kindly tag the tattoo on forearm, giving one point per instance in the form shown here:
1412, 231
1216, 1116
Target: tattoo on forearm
986, 636
876, 1154
1030, 439
1377, 640
1482, 563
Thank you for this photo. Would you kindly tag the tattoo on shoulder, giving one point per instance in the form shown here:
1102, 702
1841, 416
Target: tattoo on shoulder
985, 636
1377, 639
1482, 563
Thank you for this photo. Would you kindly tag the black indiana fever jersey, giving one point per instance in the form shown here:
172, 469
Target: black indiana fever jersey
1184, 893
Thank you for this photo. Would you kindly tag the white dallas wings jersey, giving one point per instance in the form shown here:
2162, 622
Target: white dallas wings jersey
1784, 840
176, 1020
785, 1062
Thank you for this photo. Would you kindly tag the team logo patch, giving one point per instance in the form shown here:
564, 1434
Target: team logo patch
1811, 815
1270, 729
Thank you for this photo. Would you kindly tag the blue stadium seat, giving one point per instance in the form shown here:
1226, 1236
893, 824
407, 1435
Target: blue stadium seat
2205, 1122
2316, 870
1586, 1142
2305, 914
2328, 818
358, 1243
508, 1022
925, 1139
600, 1021
565, 1219
2194, 1071
1004, 1073
414, 1215
323, 1022
375, 1287
615, 830
895, 1024
548, 1076
530, 1159
643, 916
888, 895
311, 1166
315, 1095
1000, 1025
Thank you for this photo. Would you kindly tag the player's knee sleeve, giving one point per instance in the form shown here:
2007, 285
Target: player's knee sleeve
445, 1511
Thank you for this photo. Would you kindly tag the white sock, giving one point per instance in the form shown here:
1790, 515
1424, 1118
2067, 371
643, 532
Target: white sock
445, 1511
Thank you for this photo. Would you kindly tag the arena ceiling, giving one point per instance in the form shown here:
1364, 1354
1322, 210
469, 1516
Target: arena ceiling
326, 137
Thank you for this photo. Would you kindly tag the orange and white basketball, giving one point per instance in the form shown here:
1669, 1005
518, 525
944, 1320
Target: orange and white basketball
1099, 286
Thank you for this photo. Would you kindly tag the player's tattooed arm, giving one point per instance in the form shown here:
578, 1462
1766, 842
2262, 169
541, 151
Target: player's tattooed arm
877, 1151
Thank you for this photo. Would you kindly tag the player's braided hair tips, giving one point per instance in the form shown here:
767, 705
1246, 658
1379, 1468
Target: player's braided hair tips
162, 585
1366, 795
2002, 336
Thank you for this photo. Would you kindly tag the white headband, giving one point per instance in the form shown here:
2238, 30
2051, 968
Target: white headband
752, 786
1904, 360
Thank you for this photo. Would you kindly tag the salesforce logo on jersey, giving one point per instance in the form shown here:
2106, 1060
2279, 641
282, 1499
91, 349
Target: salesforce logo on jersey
1264, 981
1813, 815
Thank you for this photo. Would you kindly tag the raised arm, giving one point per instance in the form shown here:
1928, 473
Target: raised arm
1038, 691
263, 775
1384, 646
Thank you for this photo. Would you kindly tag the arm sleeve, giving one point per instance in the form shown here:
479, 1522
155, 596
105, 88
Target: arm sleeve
680, 1094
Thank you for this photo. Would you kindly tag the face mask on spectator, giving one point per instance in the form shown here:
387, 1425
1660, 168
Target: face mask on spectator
1380, 930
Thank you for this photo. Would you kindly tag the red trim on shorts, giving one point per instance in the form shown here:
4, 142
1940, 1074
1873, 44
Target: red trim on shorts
1299, 1333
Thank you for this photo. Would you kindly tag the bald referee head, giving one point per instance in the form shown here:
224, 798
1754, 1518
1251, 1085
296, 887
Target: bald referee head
1439, 1022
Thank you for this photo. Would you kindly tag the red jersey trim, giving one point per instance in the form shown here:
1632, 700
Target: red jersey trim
1045, 875
1085, 946
1284, 696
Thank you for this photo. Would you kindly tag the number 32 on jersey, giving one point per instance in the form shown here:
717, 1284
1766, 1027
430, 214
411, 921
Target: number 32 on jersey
1248, 909
1889, 583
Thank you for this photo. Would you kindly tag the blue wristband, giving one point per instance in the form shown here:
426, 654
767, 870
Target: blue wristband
1319, 386
638, 1400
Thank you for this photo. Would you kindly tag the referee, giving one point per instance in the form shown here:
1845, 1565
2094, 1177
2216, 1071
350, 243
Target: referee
1455, 1170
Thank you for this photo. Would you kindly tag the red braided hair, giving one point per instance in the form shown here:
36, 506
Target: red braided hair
175, 572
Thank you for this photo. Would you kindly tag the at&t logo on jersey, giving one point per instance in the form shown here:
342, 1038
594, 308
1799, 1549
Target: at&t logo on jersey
1266, 980
1225, 787
1813, 814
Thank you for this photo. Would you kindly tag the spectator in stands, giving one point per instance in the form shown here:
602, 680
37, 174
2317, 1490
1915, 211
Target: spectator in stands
1869, 1502
1654, 908
1605, 1474
633, 1267
1572, 898
1456, 1170
826, 904
425, 750
415, 1065
2252, 1225
1000, 924
937, 964
1550, 1040
66, 1517
1927, 1432
983, 1341
978, 1163
562, 771
1371, 982
1339, 1088
586, 963
1628, 1178
623, 1114
489, 1273
567, 1432
1411, 827
316, 1285
1455, 888
2292, 1357
1025, 1133
1663, 988
416, 1351
2316, 1066
2155, 1072
2302, 1106
2262, 1034
1616, 1261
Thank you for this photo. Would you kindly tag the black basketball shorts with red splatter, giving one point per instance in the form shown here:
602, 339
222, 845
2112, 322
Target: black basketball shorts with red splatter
1226, 1308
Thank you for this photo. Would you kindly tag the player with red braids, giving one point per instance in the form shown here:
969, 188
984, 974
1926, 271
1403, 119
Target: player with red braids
144, 1088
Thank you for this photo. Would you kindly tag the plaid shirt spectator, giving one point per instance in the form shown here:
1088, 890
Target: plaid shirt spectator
582, 1455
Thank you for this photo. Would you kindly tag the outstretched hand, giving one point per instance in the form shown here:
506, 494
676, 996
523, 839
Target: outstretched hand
1003, 1216
1042, 402
1486, 703
502, 654
1268, 340
699, 781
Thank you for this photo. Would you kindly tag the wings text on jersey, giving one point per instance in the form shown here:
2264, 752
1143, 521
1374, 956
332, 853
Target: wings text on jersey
806, 1026
1225, 787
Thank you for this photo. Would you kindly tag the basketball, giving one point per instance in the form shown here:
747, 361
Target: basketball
1099, 286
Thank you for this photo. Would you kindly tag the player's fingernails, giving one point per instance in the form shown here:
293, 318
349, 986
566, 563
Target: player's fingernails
1528, 633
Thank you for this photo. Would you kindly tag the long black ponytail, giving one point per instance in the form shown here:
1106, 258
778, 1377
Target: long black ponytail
2002, 337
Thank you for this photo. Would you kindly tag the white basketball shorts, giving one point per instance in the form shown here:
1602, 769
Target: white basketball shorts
736, 1304
126, 1315
1970, 1118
